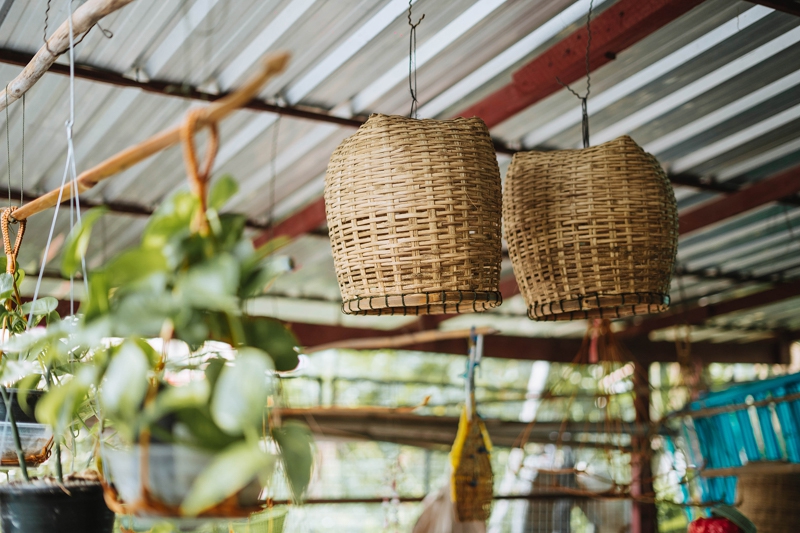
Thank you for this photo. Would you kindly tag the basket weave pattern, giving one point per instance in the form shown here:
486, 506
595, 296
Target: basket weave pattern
591, 233
413, 209
770, 501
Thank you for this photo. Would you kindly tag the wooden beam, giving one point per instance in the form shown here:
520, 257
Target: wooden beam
167, 88
701, 314
116, 207
83, 19
623, 24
401, 426
560, 350
783, 185
269, 66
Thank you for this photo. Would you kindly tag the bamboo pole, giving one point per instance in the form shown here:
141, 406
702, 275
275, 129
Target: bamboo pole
271, 65
84, 18
398, 341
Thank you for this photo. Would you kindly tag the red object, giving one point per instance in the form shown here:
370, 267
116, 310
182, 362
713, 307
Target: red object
762, 192
713, 525
615, 29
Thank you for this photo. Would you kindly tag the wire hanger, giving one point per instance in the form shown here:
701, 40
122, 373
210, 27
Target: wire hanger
585, 97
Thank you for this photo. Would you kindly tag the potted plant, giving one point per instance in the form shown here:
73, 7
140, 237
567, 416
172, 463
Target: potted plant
45, 503
181, 378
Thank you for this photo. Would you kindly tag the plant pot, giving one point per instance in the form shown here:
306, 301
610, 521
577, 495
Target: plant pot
21, 415
172, 471
33, 436
44, 507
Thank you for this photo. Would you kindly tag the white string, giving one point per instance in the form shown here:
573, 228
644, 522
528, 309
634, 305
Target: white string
69, 168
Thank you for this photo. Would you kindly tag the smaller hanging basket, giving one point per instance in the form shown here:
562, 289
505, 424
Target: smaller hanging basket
591, 233
413, 210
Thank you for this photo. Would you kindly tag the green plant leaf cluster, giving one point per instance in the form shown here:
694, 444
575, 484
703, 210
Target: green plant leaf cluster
190, 288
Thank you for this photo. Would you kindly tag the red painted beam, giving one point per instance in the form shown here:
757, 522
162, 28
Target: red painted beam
763, 192
617, 28
304, 221
556, 349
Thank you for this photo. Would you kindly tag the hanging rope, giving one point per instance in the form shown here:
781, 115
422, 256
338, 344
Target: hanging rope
412, 61
584, 98
198, 178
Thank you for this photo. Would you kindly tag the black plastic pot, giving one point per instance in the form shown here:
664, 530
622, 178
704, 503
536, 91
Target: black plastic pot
21, 415
44, 507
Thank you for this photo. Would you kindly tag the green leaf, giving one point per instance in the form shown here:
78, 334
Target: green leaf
78, 241
273, 337
171, 399
258, 279
297, 454
172, 220
133, 265
204, 432
211, 284
221, 191
60, 405
230, 472
241, 392
41, 307
96, 303
125, 383
6, 285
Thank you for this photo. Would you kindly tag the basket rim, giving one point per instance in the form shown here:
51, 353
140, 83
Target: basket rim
414, 303
603, 305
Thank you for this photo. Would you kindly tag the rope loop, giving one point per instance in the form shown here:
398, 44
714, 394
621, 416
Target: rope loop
11, 252
199, 178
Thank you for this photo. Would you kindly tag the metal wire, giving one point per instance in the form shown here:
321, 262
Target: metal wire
585, 97
412, 61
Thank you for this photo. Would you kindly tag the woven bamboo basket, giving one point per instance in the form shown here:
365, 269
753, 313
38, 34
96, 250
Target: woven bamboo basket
592, 233
770, 501
413, 210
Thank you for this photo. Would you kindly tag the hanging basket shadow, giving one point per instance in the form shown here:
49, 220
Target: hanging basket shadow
591, 233
413, 209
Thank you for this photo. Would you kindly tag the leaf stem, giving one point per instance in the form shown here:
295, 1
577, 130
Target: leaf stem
59, 468
15, 433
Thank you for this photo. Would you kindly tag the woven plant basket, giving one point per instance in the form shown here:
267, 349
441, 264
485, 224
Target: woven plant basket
592, 233
413, 210
770, 501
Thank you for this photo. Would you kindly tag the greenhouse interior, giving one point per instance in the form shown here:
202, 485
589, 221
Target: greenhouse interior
423, 266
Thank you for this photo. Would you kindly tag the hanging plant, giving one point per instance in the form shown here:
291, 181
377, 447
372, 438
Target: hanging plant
183, 421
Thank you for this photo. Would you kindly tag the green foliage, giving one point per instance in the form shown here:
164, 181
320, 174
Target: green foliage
78, 241
238, 388
297, 454
189, 287
231, 471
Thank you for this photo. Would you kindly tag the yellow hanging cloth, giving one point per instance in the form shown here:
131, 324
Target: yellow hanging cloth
471, 480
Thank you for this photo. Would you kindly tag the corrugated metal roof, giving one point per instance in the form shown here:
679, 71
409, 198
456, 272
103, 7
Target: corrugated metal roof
714, 93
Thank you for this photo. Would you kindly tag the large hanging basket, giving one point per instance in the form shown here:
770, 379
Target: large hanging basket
592, 233
413, 211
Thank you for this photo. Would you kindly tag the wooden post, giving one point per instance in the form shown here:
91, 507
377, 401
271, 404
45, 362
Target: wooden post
643, 515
